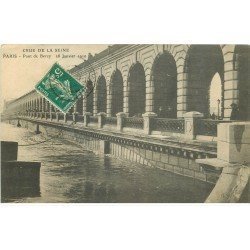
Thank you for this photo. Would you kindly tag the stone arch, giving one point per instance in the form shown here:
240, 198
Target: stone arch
101, 94
136, 90
116, 82
202, 62
241, 62
164, 81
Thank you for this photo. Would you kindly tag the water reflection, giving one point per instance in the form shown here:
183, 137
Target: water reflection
72, 173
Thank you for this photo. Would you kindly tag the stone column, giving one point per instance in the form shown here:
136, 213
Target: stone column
57, 114
33, 107
231, 80
109, 98
95, 94
43, 104
149, 95
231, 92
86, 118
75, 117
120, 120
75, 113
148, 122
24, 108
47, 106
43, 108
50, 111
101, 119
28, 108
84, 104
181, 94
190, 121
46, 109
104, 147
125, 97
37, 107
65, 117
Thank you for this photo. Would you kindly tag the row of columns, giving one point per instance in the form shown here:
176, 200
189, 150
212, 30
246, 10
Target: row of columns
149, 103
230, 93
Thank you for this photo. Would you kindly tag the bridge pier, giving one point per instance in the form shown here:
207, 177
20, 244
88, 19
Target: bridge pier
104, 147
234, 159
37, 129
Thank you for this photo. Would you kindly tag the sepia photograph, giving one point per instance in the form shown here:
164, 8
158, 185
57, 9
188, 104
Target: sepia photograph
125, 123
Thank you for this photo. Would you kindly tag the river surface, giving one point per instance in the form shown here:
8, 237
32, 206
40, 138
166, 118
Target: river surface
72, 173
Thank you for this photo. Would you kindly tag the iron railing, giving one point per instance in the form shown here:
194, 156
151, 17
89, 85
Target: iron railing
169, 125
70, 117
53, 115
111, 121
93, 119
133, 122
60, 116
80, 118
207, 127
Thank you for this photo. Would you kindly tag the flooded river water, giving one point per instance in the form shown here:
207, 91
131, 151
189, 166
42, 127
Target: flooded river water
72, 173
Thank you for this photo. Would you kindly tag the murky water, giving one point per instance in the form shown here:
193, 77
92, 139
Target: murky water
72, 173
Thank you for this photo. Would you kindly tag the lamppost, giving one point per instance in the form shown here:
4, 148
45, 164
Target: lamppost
218, 108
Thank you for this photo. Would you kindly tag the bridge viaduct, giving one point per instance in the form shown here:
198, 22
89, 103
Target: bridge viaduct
168, 80
148, 104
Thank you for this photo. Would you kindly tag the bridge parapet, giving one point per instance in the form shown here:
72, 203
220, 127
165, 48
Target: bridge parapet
192, 126
112, 121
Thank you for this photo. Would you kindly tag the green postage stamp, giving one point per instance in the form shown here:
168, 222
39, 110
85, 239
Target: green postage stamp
60, 88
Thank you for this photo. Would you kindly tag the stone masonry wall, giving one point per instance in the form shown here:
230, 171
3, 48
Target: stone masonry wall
168, 161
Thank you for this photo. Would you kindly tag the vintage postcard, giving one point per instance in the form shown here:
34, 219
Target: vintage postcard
125, 123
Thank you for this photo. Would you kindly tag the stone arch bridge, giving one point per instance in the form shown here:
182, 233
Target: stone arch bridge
142, 90
168, 80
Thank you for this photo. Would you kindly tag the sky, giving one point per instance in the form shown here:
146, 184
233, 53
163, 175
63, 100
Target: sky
23, 66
